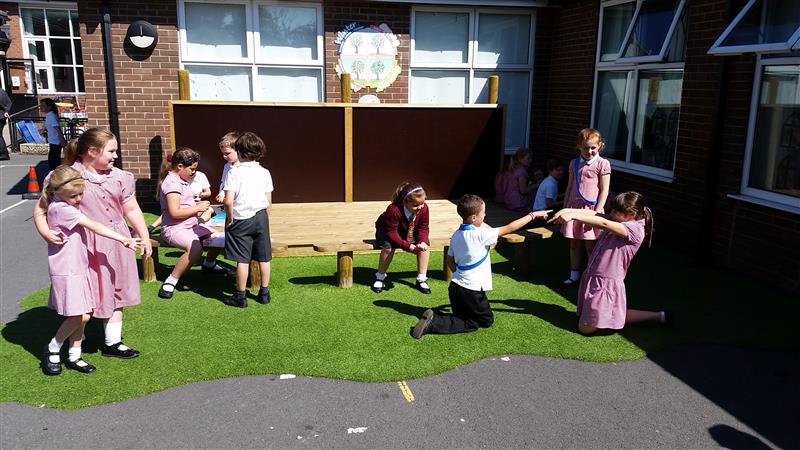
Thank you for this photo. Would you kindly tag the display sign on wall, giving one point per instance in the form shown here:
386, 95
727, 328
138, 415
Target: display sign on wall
369, 55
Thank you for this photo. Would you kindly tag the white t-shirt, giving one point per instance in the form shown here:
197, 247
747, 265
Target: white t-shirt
250, 184
199, 182
225, 169
547, 189
468, 246
53, 128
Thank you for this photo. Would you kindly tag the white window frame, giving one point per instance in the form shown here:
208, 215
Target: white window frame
718, 49
664, 45
766, 198
48, 65
472, 48
631, 93
253, 34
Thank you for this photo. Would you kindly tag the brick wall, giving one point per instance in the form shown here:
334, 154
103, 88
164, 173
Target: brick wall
145, 82
337, 15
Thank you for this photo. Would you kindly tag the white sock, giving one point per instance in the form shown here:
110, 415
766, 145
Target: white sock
54, 346
574, 275
422, 277
662, 317
380, 276
170, 283
75, 354
113, 331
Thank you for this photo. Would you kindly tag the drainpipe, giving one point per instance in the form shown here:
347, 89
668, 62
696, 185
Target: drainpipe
709, 209
111, 82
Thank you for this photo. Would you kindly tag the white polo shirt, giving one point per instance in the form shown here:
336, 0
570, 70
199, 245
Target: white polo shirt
250, 184
469, 246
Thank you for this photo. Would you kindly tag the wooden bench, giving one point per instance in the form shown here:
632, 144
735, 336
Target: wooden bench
344, 256
149, 263
522, 249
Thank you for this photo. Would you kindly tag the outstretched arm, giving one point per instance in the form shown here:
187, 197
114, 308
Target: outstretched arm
521, 222
102, 230
590, 217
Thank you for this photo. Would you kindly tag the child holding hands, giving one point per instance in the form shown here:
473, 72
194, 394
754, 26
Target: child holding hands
589, 181
468, 258
71, 288
404, 225
602, 302
248, 199
180, 226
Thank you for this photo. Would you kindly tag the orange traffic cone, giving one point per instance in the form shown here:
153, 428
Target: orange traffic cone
33, 185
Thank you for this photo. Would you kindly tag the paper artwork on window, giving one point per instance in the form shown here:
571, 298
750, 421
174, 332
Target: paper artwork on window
369, 55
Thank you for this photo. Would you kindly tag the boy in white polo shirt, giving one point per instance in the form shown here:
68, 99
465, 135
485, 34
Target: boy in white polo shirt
468, 259
248, 197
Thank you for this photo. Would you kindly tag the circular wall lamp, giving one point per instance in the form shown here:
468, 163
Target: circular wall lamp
142, 35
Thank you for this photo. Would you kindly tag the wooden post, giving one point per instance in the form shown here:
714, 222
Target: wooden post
494, 83
522, 258
448, 274
347, 90
149, 266
344, 269
184, 93
255, 275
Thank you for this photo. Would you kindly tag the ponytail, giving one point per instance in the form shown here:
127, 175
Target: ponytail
183, 156
649, 226
71, 152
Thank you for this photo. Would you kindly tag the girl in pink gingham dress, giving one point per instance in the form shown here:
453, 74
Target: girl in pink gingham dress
589, 181
71, 288
602, 301
110, 198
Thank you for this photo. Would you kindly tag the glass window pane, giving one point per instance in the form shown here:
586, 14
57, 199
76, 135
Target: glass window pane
81, 84
216, 32
775, 159
58, 22
289, 85
441, 37
616, 20
42, 81
767, 22
63, 79
440, 87
36, 51
33, 22
657, 110
513, 92
220, 83
651, 27
76, 28
611, 112
61, 51
676, 52
504, 38
288, 33
76, 43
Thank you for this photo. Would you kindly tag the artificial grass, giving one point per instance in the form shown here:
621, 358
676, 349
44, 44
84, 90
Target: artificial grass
314, 328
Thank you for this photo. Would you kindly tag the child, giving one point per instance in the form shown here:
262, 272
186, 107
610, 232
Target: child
110, 197
180, 213
201, 190
517, 193
404, 225
468, 258
601, 299
55, 137
231, 159
589, 180
71, 292
547, 193
248, 200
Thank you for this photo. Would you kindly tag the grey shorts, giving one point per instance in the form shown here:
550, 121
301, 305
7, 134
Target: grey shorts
248, 239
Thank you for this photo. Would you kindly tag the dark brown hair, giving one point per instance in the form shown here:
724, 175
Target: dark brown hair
632, 202
407, 190
249, 147
183, 156
468, 205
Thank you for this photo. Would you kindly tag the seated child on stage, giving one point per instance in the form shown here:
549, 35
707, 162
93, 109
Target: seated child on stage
602, 302
248, 199
468, 258
547, 193
180, 227
404, 225
71, 290
518, 192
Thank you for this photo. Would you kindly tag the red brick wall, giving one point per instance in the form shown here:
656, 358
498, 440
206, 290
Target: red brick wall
337, 15
144, 87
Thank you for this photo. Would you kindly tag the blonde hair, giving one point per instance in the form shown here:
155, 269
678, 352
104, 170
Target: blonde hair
407, 190
62, 177
520, 153
229, 140
93, 137
587, 134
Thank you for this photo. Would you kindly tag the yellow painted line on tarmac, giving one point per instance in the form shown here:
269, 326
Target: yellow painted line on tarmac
406, 391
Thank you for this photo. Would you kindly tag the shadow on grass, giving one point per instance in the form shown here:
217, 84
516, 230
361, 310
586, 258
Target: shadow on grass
556, 315
409, 310
365, 276
33, 329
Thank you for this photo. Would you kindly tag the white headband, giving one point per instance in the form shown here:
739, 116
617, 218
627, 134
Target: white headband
408, 194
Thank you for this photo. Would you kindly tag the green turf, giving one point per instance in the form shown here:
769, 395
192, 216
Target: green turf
314, 328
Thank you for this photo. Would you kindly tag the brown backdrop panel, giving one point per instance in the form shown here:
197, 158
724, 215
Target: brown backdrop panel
450, 151
305, 145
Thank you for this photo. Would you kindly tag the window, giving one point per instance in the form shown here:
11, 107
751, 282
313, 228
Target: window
259, 50
762, 26
51, 38
454, 51
772, 156
638, 83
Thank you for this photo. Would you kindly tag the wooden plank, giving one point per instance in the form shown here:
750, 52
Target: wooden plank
348, 148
